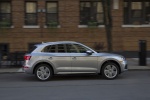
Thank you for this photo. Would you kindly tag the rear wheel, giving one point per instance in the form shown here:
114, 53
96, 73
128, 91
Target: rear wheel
110, 70
43, 72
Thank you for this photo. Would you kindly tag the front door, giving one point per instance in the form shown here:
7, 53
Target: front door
82, 62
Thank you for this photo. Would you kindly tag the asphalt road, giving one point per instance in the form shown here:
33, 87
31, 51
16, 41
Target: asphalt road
131, 85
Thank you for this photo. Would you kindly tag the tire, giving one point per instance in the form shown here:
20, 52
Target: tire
43, 72
110, 70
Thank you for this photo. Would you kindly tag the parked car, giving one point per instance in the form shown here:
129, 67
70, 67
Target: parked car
68, 57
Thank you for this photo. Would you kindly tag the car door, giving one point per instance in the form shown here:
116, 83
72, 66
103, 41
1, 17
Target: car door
82, 62
59, 57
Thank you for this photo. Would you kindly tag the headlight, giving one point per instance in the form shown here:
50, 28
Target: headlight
122, 58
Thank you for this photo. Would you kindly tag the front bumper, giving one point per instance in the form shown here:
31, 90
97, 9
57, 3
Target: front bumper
124, 66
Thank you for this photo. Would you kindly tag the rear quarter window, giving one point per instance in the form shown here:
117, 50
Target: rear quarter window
31, 49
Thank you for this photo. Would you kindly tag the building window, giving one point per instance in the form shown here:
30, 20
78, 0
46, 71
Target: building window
51, 13
3, 51
5, 14
31, 13
136, 12
91, 11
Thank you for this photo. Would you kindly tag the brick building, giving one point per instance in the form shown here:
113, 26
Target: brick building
26, 22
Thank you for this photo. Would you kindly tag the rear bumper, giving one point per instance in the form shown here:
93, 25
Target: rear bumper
27, 69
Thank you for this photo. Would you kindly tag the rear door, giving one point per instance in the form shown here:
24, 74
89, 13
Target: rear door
59, 57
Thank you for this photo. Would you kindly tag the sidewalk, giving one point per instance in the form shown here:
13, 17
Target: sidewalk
133, 64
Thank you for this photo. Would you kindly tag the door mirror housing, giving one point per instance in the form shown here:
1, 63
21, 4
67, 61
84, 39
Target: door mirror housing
89, 52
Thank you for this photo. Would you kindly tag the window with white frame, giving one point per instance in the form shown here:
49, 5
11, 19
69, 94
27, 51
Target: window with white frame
91, 11
52, 13
5, 14
30, 13
136, 12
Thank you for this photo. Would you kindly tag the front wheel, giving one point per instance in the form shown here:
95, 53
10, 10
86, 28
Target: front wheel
110, 70
43, 72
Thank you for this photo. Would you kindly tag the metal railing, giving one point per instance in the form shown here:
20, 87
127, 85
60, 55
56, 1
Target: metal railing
15, 59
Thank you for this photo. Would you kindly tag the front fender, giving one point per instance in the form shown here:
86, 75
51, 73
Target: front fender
102, 61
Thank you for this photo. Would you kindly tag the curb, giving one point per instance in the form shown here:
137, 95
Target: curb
138, 69
19, 70
11, 70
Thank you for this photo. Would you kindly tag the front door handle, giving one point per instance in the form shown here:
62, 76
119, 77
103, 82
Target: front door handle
50, 58
73, 58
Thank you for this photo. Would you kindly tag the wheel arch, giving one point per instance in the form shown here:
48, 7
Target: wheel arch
50, 65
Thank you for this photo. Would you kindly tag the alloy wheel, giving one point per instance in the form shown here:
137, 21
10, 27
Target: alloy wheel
43, 72
110, 71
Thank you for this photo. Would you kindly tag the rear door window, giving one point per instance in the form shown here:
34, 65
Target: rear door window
50, 48
59, 48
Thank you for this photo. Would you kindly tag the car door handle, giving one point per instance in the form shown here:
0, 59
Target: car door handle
50, 58
73, 58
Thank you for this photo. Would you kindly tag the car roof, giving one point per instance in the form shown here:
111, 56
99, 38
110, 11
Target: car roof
57, 42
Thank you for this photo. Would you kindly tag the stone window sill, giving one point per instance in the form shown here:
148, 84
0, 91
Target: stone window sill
86, 26
136, 25
31, 26
52, 27
9, 27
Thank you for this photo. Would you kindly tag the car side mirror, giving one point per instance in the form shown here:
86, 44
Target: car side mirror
89, 52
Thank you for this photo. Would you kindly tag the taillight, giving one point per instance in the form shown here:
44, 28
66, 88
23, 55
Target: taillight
27, 57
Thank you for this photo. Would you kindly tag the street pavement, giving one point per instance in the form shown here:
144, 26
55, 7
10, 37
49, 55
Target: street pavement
133, 64
131, 85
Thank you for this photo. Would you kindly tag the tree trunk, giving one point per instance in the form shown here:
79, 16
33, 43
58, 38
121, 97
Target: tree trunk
108, 22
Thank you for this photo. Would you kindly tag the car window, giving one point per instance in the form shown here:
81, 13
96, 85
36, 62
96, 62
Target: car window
60, 48
50, 48
80, 48
31, 48
76, 48
71, 48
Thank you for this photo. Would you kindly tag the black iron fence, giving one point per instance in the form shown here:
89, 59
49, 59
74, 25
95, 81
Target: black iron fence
15, 59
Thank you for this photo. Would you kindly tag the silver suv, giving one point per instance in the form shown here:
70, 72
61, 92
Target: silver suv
67, 57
